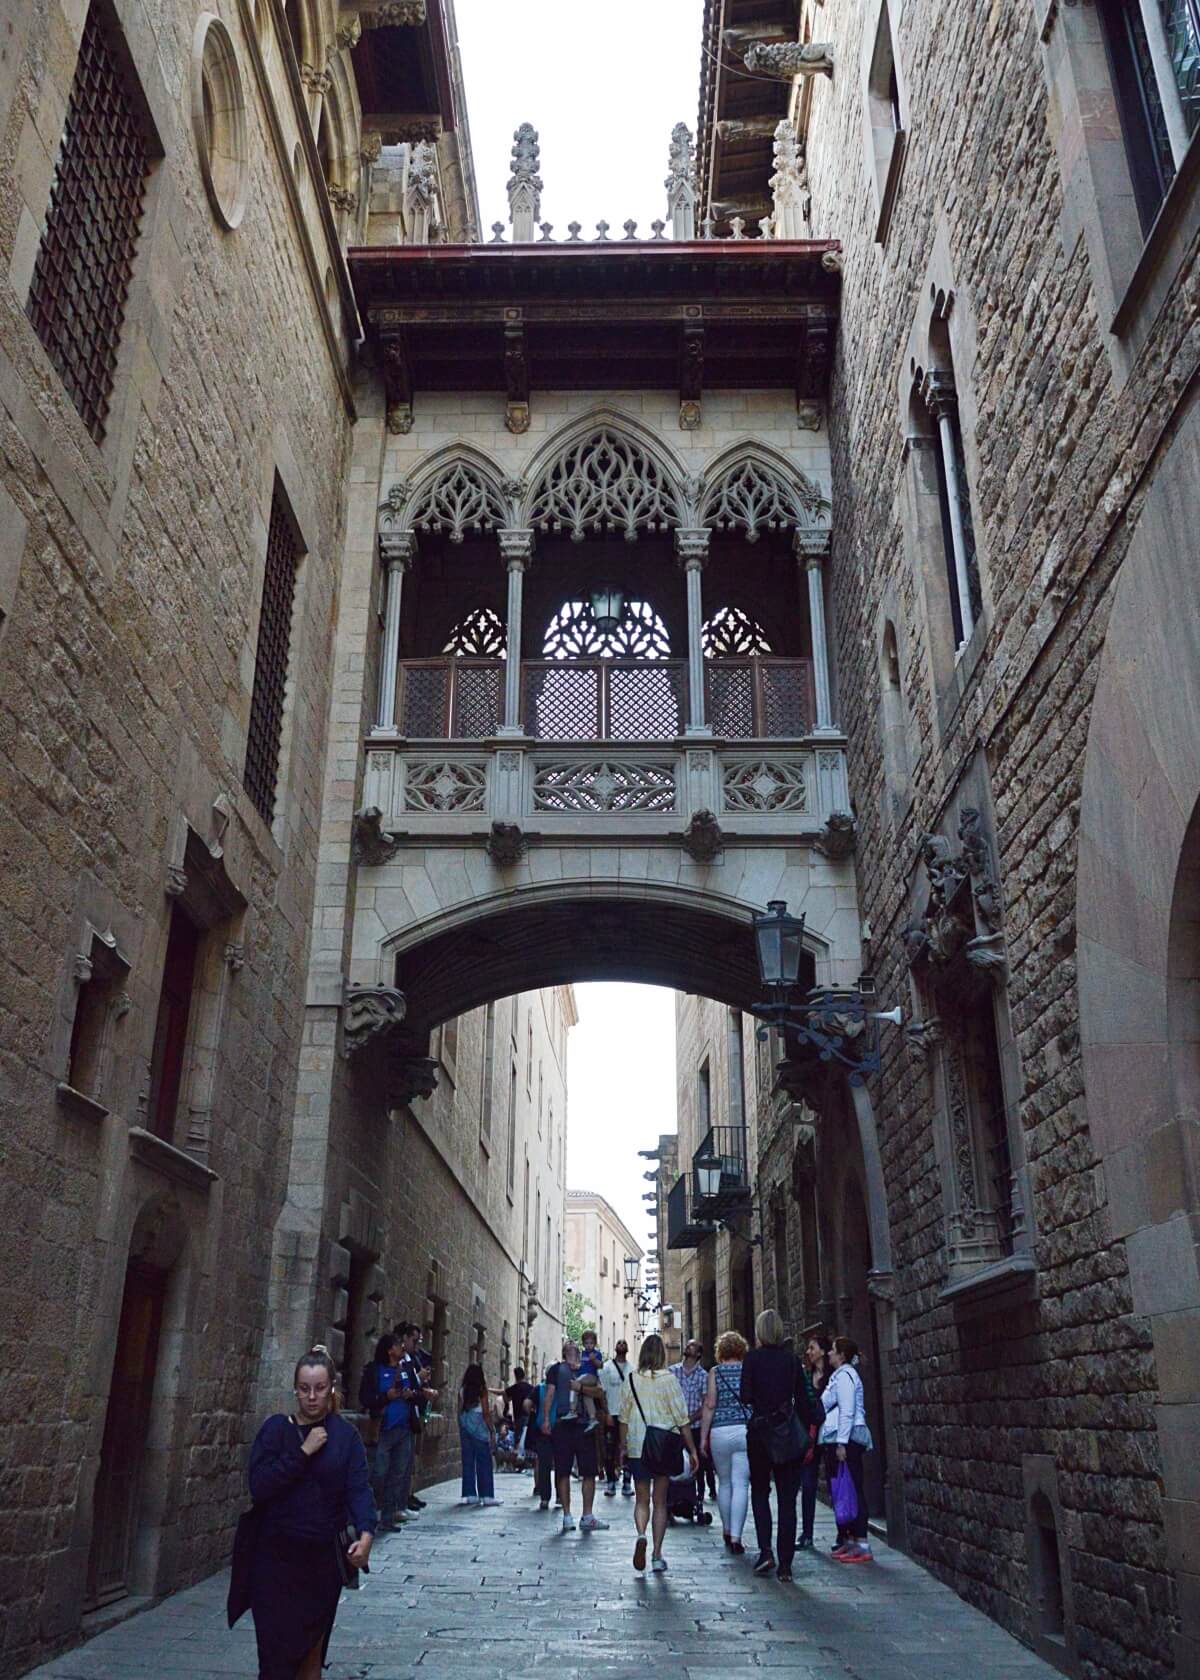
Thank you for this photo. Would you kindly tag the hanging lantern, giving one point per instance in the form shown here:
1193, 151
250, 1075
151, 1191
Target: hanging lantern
608, 605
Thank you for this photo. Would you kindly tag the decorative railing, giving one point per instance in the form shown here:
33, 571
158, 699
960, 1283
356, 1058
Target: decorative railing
460, 699
726, 1147
454, 787
685, 1229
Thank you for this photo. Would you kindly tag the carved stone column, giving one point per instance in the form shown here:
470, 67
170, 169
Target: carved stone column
517, 550
811, 549
692, 548
788, 184
398, 549
942, 401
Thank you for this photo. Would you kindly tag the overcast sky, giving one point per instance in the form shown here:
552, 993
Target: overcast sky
620, 1093
603, 84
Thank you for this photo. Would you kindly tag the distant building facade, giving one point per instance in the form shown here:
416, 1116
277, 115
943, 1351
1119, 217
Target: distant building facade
598, 1243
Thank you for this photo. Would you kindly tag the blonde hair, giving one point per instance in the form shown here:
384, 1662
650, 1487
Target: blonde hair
768, 1328
731, 1346
652, 1355
318, 1358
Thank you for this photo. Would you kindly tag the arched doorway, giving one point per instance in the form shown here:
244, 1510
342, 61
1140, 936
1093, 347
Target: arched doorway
124, 1501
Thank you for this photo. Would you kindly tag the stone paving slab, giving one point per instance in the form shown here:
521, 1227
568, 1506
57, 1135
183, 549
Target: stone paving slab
462, 1594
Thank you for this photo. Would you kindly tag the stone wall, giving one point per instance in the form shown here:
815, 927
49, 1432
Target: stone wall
1064, 426
129, 593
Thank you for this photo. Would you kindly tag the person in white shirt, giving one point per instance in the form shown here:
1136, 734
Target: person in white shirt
613, 1375
847, 1440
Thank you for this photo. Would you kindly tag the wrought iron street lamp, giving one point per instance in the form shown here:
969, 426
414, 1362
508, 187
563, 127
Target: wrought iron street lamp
643, 1314
631, 1273
838, 1022
708, 1175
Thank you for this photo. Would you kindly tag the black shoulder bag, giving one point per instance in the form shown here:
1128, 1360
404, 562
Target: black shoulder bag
780, 1433
662, 1450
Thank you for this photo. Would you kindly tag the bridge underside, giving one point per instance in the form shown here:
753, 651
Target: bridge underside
572, 939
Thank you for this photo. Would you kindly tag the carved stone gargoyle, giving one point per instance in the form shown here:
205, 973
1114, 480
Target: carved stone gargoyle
702, 840
789, 58
506, 844
838, 838
964, 910
408, 1079
371, 843
369, 1012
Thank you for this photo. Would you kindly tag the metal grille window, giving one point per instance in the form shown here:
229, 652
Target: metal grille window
1154, 58
84, 263
271, 663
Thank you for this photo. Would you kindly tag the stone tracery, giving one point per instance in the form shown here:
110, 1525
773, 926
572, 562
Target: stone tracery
731, 633
752, 495
573, 633
604, 481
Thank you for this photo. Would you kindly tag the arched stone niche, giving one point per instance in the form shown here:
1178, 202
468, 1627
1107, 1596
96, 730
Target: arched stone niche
1138, 910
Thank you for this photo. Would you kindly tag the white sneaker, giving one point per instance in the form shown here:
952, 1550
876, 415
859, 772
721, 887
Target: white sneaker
466, 1500
658, 1565
589, 1525
491, 1502
568, 1526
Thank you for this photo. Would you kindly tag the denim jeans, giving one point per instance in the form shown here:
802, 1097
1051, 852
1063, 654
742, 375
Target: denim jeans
393, 1472
477, 1466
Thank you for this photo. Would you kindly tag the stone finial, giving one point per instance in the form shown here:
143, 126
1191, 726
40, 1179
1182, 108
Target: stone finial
709, 225
630, 229
601, 231
545, 229
524, 184
737, 226
658, 228
789, 58
497, 234
681, 184
419, 189
574, 229
788, 183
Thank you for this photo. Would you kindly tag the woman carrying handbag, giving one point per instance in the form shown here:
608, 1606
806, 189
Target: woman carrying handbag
846, 1440
309, 1530
654, 1433
778, 1437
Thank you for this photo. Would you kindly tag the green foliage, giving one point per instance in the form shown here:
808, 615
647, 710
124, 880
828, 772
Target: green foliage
578, 1311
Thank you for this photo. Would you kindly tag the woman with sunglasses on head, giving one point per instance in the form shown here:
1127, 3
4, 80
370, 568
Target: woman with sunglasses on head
309, 1481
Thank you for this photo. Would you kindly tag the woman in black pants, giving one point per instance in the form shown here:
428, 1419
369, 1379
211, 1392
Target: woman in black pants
772, 1377
847, 1440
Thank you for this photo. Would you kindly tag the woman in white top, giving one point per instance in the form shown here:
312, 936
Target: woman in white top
652, 1396
847, 1440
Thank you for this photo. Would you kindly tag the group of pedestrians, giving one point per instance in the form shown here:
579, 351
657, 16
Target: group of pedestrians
759, 1417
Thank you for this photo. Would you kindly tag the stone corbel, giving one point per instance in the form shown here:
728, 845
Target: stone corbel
506, 844
702, 840
407, 1079
315, 80
809, 416
397, 383
370, 147
235, 958
391, 14
370, 843
691, 373
838, 838
342, 198
988, 954
367, 1013
176, 882
516, 372
348, 33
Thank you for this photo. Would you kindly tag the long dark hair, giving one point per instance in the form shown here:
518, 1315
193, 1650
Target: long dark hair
383, 1349
474, 1387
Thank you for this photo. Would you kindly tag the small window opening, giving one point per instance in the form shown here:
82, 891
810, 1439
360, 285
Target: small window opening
171, 1025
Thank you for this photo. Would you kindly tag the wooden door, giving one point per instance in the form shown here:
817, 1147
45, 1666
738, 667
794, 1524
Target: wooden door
126, 1424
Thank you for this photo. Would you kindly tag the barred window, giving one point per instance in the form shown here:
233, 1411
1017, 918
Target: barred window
84, 263
271, 663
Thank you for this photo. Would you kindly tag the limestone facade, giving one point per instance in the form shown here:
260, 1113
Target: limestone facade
598, 1241
1032, 1338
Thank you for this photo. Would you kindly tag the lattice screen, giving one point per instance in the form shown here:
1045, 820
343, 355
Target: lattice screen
261, 773
731, 700
645, 702
424, 700
478, 700
562, 702
786, 699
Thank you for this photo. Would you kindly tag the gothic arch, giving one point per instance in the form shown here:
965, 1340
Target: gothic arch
341, 121
753, 488
1136, 908
456, 489
605, 471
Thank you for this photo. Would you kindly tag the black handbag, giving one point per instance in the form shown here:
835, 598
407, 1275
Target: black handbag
662, 1450
351, 1574
780, 1434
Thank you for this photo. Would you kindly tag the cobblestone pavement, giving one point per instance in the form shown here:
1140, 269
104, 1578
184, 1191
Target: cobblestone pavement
468, 1594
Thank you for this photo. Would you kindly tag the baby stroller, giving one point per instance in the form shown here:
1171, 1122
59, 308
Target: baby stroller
685, 1500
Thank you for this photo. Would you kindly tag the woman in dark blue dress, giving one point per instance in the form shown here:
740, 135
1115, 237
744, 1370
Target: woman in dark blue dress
308, 1473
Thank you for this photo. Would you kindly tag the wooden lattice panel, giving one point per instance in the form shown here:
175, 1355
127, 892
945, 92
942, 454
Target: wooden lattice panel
424, 701
562, 702
478, 697
645, 702
261, 773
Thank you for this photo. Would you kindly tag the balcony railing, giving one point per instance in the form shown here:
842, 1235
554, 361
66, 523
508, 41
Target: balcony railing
684, 1229
457, 699
727, 1146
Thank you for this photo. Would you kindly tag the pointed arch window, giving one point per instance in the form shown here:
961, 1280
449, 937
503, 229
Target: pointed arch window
604, 482
480, 635
731, 633
574, 633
